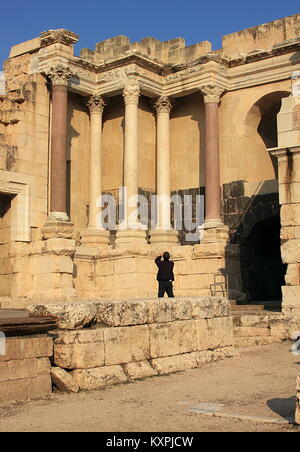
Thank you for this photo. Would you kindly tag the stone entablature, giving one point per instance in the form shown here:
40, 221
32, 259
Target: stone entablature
170, 68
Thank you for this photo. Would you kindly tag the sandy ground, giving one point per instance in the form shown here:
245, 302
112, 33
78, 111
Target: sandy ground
261, 382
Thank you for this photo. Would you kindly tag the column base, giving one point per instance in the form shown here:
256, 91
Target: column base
131, 236
56, 228
164, 237
94, 237
213, 231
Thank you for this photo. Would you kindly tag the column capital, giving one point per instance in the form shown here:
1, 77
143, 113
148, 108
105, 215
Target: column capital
131, 93
96, 104
59, 74
211, 93
162, 105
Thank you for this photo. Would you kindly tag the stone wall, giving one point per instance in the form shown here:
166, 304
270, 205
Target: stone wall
105, 343
131, 272
25, 368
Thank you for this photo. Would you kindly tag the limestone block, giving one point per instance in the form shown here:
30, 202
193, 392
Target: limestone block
255, 340
204, 340
40, 386
122, 313
125, 265
51, 295
210, 307
63, 380
290, 251
141, 369
26, 347
43, 366
99, 377
173, 338
85, 336
292, 277
24, 389
104, 268
46, 281
221, 331
174, 363
71, 316
16, 370
289, 193
79, 356
207, 250
198, 266
60, 246
51, 264
258, 321
117, 345
291, 296
251, 331
140, 342
290, 215
21, 284
200, 281
290, 233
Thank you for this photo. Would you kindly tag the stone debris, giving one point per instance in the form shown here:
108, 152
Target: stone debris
63, 380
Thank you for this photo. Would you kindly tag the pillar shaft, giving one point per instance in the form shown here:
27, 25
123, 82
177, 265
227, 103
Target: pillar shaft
58, 180
212, 163
163, 108
96, 106
131, 97
212, 95
59, 76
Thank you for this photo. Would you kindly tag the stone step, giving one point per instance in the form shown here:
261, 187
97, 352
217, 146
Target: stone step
253, 341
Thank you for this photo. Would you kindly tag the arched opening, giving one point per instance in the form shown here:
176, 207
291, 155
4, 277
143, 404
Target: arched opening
262, 269
261, 130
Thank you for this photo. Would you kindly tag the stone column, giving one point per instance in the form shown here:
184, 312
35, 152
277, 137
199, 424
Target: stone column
59, 76
58, 223
131, 230
213, 223
95, 234
164, 232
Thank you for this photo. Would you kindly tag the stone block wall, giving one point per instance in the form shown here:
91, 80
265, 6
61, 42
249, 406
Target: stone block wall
131, 273
25, 368
104, 343
41, 269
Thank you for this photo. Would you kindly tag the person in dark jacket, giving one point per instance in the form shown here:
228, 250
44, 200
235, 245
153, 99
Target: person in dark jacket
165, 275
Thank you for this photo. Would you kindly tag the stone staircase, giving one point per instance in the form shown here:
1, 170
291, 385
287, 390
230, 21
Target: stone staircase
259, 323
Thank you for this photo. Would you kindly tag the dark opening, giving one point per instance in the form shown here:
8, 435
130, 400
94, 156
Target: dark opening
261, 265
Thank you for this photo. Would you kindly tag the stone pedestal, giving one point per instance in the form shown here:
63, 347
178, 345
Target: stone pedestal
59, 229
164, 238
212, 231
94, 237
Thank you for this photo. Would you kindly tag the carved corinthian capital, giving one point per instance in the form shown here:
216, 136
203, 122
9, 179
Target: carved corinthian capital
211, 93
60, 75
131, 93
96, 104
163, 105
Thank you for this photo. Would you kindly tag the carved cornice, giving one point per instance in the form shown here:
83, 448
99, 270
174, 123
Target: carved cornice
131, 93
59, 74
211, 93
96, 104
163, 105
60, 35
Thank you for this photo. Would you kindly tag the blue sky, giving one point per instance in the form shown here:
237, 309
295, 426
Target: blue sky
95, 20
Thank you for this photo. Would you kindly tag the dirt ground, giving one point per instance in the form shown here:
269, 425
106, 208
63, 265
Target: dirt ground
261, 382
